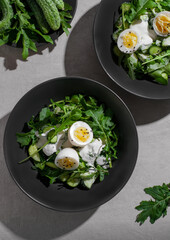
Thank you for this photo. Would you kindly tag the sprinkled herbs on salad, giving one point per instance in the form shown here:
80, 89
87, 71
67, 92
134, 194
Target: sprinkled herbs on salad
73, 141
142, 41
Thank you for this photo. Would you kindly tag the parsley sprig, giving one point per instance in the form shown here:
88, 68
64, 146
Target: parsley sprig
154, 209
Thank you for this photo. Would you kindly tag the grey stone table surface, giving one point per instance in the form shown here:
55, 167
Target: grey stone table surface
23, 219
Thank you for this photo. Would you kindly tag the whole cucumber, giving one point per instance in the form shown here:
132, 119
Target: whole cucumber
51, 13
7, 14
38, 14
59, 4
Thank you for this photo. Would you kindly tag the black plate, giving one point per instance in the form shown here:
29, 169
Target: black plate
65, 199
103, 29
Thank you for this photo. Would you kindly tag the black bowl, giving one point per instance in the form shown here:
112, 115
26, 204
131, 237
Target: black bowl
65, 199
106, 16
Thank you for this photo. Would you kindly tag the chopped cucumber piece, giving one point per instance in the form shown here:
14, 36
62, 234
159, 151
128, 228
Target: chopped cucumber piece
160, 76
89, 182
73, 181
32, 150
47, 128
51, 164
155, 50
166, 42
64, 176
86, 175
49, 136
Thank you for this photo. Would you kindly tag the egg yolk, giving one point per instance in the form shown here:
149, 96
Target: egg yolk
130, 40
81, 134
163, 24
66, 163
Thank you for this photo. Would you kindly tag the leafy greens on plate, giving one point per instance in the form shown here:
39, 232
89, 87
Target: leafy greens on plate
25, 23
72, 140
142, 41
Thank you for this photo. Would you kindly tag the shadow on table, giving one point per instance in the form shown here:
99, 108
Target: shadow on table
24, 217
12, 54
81, 60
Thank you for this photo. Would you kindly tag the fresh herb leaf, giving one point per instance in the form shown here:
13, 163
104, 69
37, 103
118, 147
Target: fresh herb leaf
24, 139
45, 113
157, 208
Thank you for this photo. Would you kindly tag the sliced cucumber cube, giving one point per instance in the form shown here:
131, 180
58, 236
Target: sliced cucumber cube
64, 176
155, 50
89, 182
51, 164
73, 181
47, 128
86, 175
32, 150
49, 136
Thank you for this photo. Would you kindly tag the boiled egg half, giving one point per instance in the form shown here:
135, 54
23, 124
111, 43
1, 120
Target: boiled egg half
128, 41
80, 134
161, 23
67, 159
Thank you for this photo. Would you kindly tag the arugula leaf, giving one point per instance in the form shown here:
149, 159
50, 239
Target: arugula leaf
157, 208
45, 113
161, 56
25, 138
142, 5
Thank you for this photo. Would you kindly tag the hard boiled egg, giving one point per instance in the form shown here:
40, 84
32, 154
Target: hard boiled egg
80, 134
128, 41
67, 159
161, 23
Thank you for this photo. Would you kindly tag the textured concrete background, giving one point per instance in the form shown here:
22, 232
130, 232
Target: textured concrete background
20, 217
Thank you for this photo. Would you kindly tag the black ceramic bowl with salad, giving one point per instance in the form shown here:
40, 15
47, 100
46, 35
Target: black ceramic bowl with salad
70, 144
133, 45
28, 24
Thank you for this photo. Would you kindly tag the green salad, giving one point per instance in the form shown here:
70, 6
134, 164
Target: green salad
73, 141
142, 41
24, 23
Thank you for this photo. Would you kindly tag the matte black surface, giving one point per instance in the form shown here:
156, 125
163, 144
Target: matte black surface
103, 29
65, 199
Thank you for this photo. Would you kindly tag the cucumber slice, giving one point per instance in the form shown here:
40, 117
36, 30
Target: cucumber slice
51, 164
47, 128
89, 182
155, 50
64, 176
73, 181
166, 42
50, 134
32, 150
86, 175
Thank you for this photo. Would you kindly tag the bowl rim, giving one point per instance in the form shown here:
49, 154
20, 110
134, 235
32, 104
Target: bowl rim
111, 195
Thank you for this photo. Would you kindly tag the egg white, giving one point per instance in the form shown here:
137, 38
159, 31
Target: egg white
163, 13
120, 41
67, 159
76, 141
